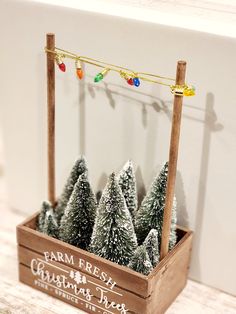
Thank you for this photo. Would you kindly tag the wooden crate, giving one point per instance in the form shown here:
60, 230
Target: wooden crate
50, 265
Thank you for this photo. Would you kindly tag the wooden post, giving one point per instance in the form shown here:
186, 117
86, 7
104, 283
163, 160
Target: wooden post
173, 156
51, 117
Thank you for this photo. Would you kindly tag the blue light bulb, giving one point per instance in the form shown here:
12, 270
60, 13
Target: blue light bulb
136, 81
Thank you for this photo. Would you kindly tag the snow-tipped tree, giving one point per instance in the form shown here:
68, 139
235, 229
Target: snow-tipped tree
140, 261
150, 215
45, 207
77, 222
152, 247
79, 167
127, 182
50, 226
113, 235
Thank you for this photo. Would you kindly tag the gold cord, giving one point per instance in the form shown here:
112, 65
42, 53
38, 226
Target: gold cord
183, 90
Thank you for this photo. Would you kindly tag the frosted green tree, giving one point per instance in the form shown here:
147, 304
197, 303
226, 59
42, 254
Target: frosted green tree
79, 167
113, 235
45, 207
50, 225
150, 215
140, 261
152, 247
78, 220
127, 182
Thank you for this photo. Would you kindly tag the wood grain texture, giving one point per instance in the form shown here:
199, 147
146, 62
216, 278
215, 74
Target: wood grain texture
133, 301
169, 278
140, 294
40, 243
17, 298
50, 44
173, 156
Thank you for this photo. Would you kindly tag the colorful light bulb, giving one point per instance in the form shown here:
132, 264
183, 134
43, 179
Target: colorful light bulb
100, 75
130, 81
79, 71
136, 81
60, 63
124, 75
62, 67
189, 91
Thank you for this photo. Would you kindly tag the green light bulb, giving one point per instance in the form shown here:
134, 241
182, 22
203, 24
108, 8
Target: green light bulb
98, 77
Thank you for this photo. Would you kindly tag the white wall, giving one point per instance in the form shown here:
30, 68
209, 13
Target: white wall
111, 122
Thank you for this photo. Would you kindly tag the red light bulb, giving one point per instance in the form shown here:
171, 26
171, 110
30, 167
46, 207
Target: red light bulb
62, 67
130, 81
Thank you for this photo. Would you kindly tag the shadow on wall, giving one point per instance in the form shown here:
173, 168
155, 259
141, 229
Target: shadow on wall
182, 213
211, 125
132, 95
141, 190
82, 114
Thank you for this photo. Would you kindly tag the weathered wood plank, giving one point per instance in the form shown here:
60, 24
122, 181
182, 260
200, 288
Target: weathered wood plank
28, 278
169, 278
96, 287
84, 261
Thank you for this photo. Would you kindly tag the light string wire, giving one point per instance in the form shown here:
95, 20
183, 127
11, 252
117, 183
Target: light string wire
181, 90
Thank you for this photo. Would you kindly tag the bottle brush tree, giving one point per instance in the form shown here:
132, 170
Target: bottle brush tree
77, 222
113, 235
45, 207
140, 261
150, 215
79, 167
152, 247
50, 225
127, 182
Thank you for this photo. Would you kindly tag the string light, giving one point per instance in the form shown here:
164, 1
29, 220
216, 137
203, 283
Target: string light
136, 81
130, 81
131, 77
189, 91
185, 90
101, 75
79, 71
60, 63
127, 77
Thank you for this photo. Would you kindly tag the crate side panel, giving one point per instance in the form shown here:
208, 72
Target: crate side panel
83, 261
171, 278
97, 288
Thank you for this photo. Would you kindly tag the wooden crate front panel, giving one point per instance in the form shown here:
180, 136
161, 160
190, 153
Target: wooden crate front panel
81, 260
56, 278
26, 277
138, 293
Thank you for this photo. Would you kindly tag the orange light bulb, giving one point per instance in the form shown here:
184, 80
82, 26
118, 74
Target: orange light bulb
80, 73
